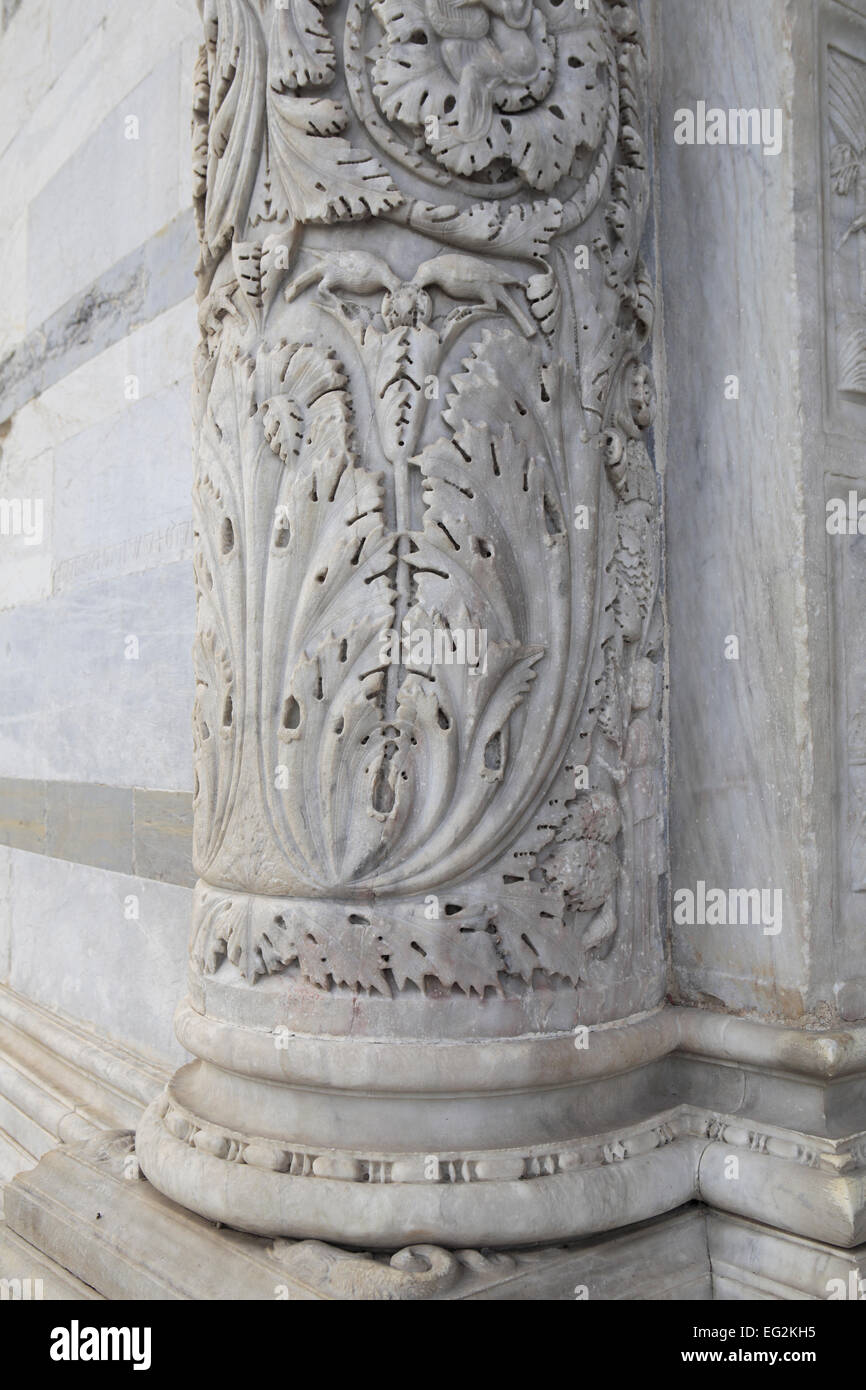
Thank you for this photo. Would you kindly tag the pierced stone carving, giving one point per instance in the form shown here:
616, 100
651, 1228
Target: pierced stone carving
502, 89
401, 781
427, 554
261, 152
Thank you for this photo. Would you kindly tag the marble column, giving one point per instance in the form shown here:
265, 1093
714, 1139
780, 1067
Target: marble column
428, 747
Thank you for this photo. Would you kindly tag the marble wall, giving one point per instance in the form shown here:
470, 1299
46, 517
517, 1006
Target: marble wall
764, 293
97, 328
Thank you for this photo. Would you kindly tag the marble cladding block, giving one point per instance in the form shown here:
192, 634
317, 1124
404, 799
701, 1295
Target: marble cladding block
130, 830
102, 836
71, 26
56, 92
23, 824
149, 359
125, 477
848, 571
736, 558
96, 685
133, 291
842, 478
13, 303
26, 530
767, 751
76, 945
22, 65
842, 125
116, 189
56, 1286
162, 836
118, 500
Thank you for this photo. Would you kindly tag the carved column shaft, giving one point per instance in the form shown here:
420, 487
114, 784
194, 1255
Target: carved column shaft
427, 725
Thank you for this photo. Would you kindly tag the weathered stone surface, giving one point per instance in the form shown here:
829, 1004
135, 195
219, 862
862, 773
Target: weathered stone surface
124, 1255
423, 395
429, 639
26, 1274
60, 1081
762, 289
813, 1189
140, 287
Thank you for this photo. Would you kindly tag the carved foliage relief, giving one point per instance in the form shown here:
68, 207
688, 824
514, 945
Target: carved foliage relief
846, 96
427, 545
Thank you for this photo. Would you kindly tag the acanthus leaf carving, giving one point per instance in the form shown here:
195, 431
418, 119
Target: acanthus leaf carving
346, 772
264, 153
229, 140
302, 47
316, 175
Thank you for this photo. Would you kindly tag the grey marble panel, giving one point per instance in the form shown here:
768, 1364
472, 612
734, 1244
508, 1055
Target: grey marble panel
23, 814
163, 836
90, 824
130, 830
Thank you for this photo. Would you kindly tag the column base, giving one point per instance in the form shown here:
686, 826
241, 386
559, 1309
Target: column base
87, 1215
509, 1142
382, 1200
145, 1247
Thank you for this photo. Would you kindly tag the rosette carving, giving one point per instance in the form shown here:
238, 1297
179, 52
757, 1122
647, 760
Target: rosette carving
494, 87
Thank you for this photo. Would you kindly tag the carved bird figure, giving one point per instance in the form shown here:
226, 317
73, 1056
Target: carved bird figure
358, 272
467, 277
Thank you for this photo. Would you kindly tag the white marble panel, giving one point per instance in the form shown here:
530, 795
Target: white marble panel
117, 190
90, 82
75, 947
740, 734
74, 706
148, 360
26, 526
123, 478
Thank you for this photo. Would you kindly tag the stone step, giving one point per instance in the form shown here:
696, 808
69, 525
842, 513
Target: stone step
27, 1274
14, 1158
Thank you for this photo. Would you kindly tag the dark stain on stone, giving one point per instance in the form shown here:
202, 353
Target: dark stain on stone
10, 7
130, 293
